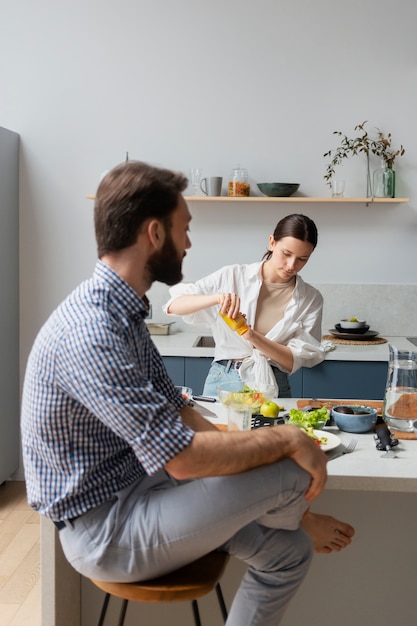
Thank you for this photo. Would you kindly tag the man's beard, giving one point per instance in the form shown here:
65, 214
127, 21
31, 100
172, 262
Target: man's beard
165, 266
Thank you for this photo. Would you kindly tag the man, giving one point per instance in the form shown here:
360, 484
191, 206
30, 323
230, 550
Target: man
137, 482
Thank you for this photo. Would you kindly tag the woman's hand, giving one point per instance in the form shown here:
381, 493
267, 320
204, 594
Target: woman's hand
229, 304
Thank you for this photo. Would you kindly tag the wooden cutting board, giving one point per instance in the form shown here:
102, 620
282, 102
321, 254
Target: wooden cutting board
317, 404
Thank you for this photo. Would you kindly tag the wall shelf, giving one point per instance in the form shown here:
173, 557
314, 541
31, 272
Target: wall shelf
289, 199
294, 199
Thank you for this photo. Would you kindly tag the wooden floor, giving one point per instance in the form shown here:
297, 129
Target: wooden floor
19, 558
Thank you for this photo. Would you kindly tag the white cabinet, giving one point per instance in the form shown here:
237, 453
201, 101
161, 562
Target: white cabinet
9, 303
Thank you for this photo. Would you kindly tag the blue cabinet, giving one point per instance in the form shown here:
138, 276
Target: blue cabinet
345, 379
192, 372
175, 368
330, 379
196, 370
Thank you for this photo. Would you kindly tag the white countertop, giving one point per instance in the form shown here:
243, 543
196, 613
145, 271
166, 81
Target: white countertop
362, 470
184, 344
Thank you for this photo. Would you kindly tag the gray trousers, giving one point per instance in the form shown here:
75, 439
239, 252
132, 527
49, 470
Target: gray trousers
159, 524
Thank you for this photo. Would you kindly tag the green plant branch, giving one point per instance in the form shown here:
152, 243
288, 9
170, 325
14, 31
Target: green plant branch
362, 144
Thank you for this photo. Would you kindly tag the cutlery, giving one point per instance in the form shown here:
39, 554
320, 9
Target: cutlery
346, 450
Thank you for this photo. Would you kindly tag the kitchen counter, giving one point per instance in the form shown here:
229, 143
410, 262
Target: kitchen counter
185, 344
372, 581
364, 469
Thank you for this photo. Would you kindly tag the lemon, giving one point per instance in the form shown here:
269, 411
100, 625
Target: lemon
353, 319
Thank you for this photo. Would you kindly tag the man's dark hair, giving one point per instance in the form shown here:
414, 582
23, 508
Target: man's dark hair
129, 194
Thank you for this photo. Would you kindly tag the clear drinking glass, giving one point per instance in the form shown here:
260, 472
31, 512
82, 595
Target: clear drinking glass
338, 188
239, 417
195, 176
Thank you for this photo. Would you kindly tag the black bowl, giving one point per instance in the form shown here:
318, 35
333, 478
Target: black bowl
276, 190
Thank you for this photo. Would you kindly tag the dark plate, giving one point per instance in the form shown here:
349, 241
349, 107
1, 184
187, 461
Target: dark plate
370, 334
354, 331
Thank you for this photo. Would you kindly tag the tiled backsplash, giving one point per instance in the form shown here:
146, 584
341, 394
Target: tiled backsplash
389, 309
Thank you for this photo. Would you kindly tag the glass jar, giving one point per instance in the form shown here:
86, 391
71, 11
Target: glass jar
238, 183
400, 399
237, 324
383, 181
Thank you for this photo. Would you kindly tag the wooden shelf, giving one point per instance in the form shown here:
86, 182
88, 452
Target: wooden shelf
287, 199
293, 199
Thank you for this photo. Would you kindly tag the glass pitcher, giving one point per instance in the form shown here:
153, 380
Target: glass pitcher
400, 400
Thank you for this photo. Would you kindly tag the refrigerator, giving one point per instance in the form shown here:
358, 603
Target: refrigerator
9, 303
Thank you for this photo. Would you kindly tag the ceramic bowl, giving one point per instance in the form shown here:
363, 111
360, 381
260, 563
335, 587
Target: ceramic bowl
351, 325
234, 393
186, 392
361, 331
361, 420
275, 190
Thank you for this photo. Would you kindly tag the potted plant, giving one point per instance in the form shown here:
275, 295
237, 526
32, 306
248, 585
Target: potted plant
363, 143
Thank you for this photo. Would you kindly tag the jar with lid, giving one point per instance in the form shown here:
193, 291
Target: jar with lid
238, 183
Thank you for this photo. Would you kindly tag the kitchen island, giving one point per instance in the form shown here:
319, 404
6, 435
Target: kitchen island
370, 582
348, 371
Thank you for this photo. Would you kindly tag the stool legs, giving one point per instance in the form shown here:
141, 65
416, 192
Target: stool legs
221, 602
196, 613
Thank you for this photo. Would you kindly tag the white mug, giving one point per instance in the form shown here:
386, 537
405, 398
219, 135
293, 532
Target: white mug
212, 185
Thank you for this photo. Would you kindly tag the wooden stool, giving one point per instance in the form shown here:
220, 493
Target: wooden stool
185, 584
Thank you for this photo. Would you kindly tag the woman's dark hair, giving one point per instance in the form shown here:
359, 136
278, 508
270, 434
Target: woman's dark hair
297, 226
128, 195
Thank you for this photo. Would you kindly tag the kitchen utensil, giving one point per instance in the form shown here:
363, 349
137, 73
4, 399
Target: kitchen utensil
343, 450
205, 398
385, 441
211, 185
276, 190
400, 400
259, 421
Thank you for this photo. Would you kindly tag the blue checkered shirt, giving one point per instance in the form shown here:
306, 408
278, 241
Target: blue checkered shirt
98, 409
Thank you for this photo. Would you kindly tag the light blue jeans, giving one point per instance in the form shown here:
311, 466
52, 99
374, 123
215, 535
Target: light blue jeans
158, 524
218, 374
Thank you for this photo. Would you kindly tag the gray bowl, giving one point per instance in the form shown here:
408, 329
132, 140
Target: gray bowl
415, 427
362, 420
276, 190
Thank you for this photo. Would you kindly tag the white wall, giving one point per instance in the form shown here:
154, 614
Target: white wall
208, 84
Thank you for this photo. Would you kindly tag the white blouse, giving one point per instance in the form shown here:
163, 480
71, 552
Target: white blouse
300, 328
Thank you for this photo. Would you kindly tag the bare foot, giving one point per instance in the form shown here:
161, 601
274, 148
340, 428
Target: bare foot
328, 533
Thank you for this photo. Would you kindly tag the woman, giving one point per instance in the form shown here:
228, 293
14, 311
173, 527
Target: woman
284, 316
283, 312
